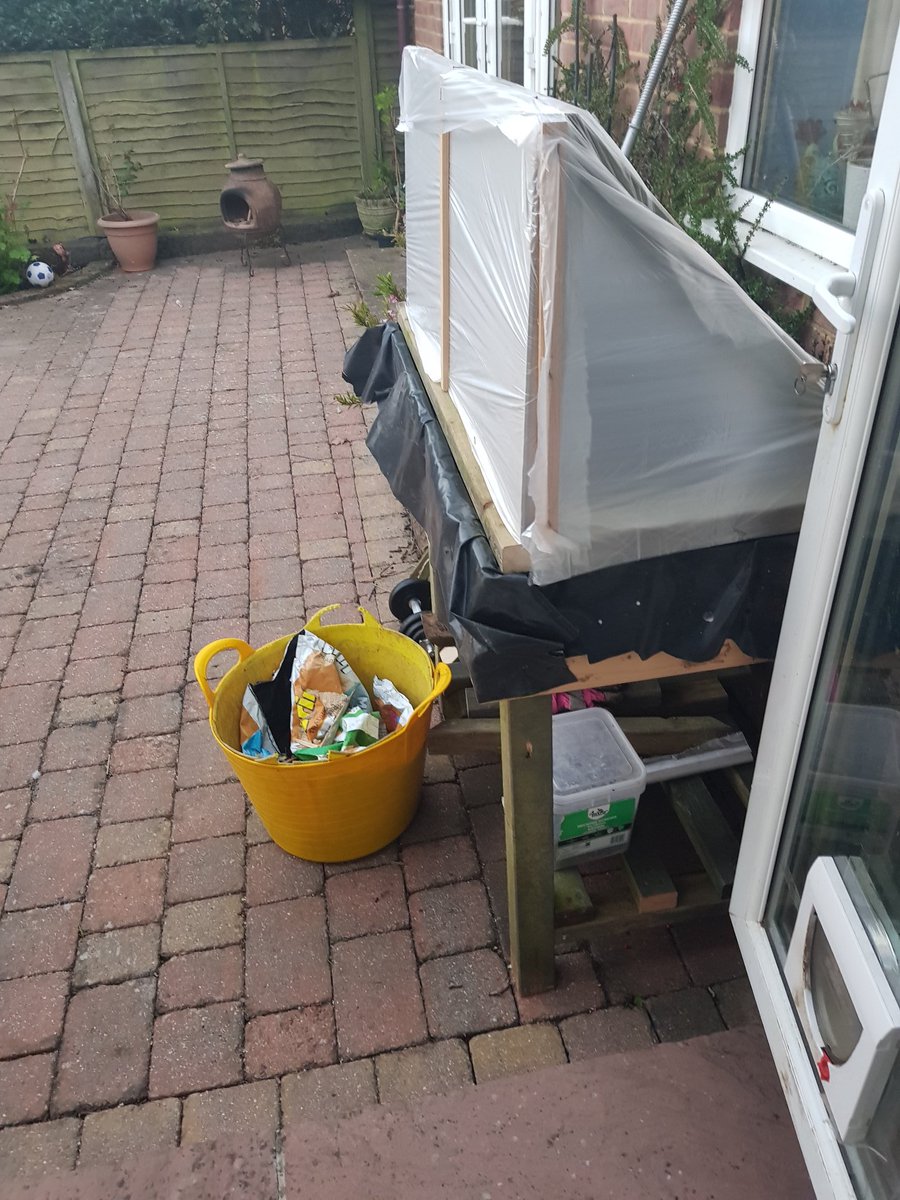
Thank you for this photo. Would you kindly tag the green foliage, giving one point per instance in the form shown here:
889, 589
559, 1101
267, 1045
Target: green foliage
13, 254
677, 152
386, 178
348, 400
362, 314
100, 24
592, 79
387, 289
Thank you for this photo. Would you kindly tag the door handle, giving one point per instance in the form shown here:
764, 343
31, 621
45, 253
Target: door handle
827, 297
840, 298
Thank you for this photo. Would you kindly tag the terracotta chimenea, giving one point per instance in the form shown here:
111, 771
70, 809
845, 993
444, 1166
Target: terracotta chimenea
249, 202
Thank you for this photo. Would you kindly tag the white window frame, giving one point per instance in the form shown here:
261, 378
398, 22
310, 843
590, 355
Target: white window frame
796, 247
488, 24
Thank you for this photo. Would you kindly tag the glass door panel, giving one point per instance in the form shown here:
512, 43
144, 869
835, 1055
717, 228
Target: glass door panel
819, 103
845, 801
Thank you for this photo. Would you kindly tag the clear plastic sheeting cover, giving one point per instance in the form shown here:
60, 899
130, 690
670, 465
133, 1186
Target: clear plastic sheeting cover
624, 398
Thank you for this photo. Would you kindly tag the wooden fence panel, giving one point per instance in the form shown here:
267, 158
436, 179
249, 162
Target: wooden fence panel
304, 107
34, 140
295, 106
166, 106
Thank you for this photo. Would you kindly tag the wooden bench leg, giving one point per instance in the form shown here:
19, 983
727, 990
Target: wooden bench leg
528, 802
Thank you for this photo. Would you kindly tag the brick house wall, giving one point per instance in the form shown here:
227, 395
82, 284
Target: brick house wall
428, 25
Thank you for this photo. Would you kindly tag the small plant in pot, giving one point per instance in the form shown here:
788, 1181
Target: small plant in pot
380, 204
132, 233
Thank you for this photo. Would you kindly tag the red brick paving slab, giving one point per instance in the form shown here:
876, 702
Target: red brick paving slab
117, 955
159, 650
79, 747
36, 666
38, 940
26, 712
204, 977
250, 1108
236, 1168
642, 962
362, 902
92, 676
195, 1049
127, 895
105, 1050
387, 1012
380, 858
330, 1092
30, 1150
287, 955
429, 864
144, 715
211, 867
450, 920
131, 841
143, 753
209, 812
677, 1016
13, 807
289, 1041
274, 875
490, 832
154, 682
467, 993
202, 924
120, 1134
200, 761
481, 785
577, 990
607, 1031
31, 1013
709, 949
68, 793
134, 796
25, 1088
441, 814
53, 863
102, 641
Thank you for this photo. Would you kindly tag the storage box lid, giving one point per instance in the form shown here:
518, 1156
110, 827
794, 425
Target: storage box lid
590, 752
860, 747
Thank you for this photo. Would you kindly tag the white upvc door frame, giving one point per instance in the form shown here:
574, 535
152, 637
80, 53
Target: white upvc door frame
822, 244
834, 484
488, 25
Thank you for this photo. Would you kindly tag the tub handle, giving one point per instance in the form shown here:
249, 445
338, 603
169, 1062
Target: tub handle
203, 657
442, 677
314, 624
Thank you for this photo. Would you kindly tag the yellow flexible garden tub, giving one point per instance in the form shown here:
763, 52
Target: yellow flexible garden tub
351, 805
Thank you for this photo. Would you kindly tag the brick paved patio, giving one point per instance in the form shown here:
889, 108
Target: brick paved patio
176, 470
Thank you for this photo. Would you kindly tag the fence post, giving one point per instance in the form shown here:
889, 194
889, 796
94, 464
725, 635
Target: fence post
364, 49
78, 139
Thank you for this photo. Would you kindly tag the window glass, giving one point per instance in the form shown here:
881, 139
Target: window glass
512, 40
470, 34
818, 103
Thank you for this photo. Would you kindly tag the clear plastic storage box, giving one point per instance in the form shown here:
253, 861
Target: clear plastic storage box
598, 780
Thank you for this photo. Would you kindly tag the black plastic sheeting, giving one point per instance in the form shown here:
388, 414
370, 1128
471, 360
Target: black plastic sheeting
514, 637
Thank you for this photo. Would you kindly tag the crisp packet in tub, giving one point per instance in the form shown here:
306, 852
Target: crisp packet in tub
393, 707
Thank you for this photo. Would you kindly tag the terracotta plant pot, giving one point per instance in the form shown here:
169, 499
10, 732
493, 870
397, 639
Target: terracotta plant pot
378, 217
133, 242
